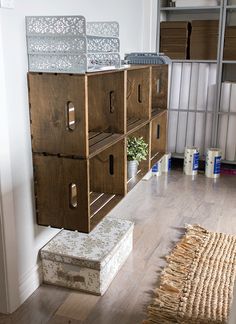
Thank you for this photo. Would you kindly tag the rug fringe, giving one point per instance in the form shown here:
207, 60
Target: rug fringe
169, 299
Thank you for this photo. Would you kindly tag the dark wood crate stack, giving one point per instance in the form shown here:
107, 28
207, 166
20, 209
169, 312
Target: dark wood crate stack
204, 39
79, 127
175, 39
230, 43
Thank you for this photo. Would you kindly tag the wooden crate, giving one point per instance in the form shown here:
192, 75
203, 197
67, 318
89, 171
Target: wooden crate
138, 96
108, 177
76, 194
79, 125
60, 119
158, 137
159, 88
144, 166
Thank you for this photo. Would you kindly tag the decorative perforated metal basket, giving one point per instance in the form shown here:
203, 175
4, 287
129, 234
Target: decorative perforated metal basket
103, 28
60, 44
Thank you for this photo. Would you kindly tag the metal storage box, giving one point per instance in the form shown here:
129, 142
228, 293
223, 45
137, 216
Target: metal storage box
60, 44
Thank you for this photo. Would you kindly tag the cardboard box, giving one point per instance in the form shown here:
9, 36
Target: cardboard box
176, 56
174, 24
205, 23
176, 33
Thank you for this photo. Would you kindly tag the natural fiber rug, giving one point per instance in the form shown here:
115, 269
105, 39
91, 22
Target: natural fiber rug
197, 284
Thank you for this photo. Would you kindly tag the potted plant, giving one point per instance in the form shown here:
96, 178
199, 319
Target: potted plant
137, 150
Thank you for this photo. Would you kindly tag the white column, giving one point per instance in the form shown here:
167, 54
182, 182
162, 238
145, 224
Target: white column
9, 299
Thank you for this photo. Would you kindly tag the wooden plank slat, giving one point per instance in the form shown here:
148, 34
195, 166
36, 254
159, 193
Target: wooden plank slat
104, 144
105, 210
156, 158
160, 86
138, 93
159, 134
106, 102
53, 178
99, 138
99, 203
94, 196
157, 112
93, 134
50, 96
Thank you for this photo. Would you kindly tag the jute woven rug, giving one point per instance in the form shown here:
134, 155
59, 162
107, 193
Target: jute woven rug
196, 287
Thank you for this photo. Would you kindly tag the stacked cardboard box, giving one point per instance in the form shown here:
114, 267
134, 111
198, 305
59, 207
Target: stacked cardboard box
204, 39
230, 43
194, 3
175, 39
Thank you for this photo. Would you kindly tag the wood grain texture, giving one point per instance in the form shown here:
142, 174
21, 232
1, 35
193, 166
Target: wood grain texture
139, 93
102, 105
53, 176
39, 308
158, 134
160, 208
49, 95
159, 86
107, 170
106, 101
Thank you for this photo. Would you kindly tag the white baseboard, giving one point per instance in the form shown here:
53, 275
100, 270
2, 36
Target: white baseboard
30, 282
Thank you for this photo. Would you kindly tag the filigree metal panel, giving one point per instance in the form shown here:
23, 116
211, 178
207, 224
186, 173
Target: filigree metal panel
55, 44
56, 25
58, 63
70, 44
103, 28
103, 44
59, 44
99, 60
80, 63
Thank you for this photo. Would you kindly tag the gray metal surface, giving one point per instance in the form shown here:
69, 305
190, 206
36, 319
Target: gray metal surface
215, 113
55, 25
103, 28
60, 44
58, 63
72, 44
147, 58
79, 63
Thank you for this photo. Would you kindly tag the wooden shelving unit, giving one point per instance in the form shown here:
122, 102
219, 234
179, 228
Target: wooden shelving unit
79, 127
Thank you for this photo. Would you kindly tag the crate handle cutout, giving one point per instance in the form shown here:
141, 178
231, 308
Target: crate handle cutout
158, 131
70, 116
73, 194
112, 101
111, 164
158, 85
139, 93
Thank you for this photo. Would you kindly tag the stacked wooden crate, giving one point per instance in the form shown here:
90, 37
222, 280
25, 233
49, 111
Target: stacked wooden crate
79, 126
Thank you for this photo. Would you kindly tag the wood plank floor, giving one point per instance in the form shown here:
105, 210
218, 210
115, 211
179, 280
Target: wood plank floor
159, 207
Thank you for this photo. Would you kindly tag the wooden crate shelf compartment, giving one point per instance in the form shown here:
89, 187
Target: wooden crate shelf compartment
79, 127
144, 166
101, 206
138, 96
63, 187
156, 158
159, 77
158, 134
99, 141
131, 183
157, 112
60, 119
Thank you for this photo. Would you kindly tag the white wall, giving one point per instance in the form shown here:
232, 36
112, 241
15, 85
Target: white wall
135, 26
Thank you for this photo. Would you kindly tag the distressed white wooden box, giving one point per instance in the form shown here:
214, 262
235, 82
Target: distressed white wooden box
88, 262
